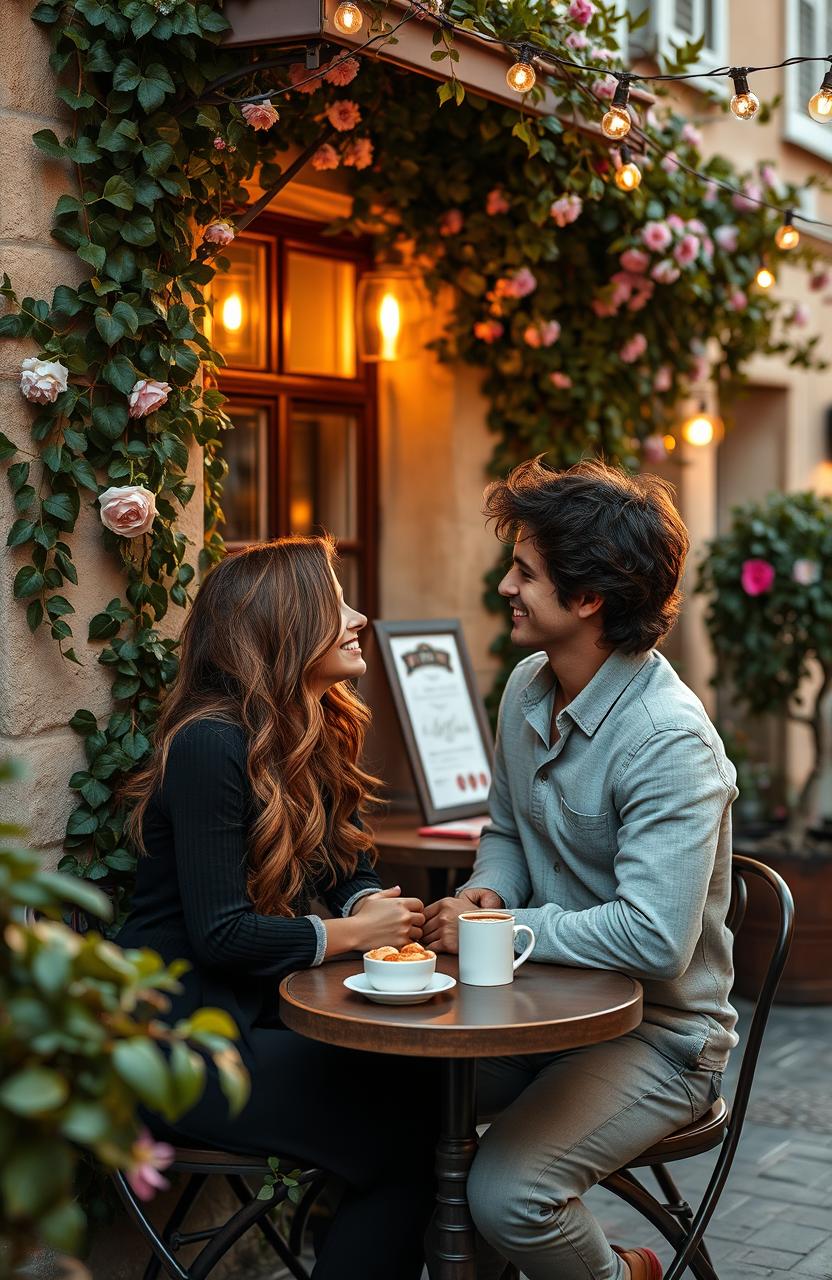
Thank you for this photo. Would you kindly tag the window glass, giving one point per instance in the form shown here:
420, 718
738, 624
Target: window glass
320, 315
245, 492
240, 319
324, 471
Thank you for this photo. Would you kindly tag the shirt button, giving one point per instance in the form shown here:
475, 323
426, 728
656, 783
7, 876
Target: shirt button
557, 866
544, 777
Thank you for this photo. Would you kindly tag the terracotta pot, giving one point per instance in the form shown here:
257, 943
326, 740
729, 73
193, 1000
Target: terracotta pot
807, 978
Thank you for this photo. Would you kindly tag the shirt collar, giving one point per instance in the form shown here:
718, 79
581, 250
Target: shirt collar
593, 702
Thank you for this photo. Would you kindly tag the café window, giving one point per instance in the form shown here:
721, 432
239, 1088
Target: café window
302, 455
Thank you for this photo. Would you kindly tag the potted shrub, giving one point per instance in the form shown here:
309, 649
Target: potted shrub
769, 580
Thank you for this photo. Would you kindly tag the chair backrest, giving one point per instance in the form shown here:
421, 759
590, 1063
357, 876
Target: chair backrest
742, 867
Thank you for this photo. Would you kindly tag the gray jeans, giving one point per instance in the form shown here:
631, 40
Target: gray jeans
563, 1122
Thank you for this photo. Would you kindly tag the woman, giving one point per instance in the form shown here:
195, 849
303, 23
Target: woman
247, 810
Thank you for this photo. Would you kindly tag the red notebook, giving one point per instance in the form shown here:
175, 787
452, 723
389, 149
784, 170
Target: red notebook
461, 829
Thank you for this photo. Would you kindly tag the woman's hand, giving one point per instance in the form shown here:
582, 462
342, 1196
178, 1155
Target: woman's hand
441, 931
386, 919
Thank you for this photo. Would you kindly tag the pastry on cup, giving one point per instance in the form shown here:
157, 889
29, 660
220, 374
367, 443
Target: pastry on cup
396, 971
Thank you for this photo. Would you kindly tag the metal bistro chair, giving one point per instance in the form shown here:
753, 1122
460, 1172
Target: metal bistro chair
722, 1125
203, 1164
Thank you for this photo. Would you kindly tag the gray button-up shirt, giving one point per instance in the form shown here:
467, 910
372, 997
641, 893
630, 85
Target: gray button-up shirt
614, 844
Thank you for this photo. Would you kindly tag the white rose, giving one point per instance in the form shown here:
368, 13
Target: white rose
42, 381
127, 509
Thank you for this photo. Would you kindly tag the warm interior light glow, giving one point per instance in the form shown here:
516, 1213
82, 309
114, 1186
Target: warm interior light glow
390, 323
698, 430
616, 123
521, 77
669, 442
787, 236
232, 313
765, 278
820, 103
348, 18
628, 177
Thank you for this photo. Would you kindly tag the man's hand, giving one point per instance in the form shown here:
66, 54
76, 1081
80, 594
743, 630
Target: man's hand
441, 931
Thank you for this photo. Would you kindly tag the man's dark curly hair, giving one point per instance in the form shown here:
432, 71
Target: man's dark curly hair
600, 530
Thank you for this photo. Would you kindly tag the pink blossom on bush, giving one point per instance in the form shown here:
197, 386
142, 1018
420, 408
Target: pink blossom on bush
582, 11
42, 381
219, 143
260, 115
653, 449
342, 71
819, 281
635, 260
303, 80
670, 162
656, 236
358, 154
747, 199
602, 55
147, 396
450, 224
326, 157
642, 293
663, 380
768, 173
148, 1158
521, 284
566, 209
496, 202
488, 331
801, 315
577, 40
343, 115
806, 572
560, 380
691, 135
697, 226
544, 334
710, 194
634, 348
687, 250
219, 232
757, 577
727, 237
676, 224
700, 370
665, 272
708, 247
738, 301
605, 89
128, 509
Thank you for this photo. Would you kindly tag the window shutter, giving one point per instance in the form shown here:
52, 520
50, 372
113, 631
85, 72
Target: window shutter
683, 16
808, 32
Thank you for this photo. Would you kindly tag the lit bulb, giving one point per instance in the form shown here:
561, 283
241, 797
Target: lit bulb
232, 312
787, 236
521, 76
669, 442
627, 174
389, 323
348, 18
616, 123
765, 277
744, 103
699, 430
820, 104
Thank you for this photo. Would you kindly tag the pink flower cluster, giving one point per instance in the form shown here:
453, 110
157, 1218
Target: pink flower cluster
489, 331
326, 157
260, 115
496, 202
518, 285
219, 232
544, 334
561, 381
302, 79
757, 577
148, 1157
605, 89
582, 11
358, 154
342, 71
450, 224
343, 114
567, 208
747, 200
634, 348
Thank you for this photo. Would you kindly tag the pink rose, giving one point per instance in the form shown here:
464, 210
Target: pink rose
605, 89
757, 577
488, 331
260, 115
710, 194
219, 232
819, 281
665, 272
602, 55
676, 224
801, 315
806, 572
663, 380
633, 349
561, 381
635, 260
521, 284
302, 79
670, 162
358, 154
653, 450
727, 237
656, 236
697, 226
566, 209
342, 71
42, 381
147, 396
576, 40
738, 301
326, 157
127, 509
343, 115
747, 199
768, 173
450, 224
691, 135
708, 247
219, 143
148, 1158
582, 11
496, 202
531, 336
549, 333
642, 293
687, 250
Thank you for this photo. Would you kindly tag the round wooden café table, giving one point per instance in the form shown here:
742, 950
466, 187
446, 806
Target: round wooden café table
547, 1008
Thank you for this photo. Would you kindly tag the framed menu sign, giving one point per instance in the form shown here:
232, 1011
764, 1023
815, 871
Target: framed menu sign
442, 716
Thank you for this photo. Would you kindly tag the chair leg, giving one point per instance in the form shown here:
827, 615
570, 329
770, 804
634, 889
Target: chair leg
510, 1273
676, 1203
269, 1230
182, 1208
629, 1189
226, 1236
301, 1215
138, 1216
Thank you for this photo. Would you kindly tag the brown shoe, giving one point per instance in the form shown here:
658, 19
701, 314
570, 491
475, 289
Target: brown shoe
643, 1263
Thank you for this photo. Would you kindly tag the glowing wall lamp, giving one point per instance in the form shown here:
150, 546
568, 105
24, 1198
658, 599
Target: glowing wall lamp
702, 428
389, 312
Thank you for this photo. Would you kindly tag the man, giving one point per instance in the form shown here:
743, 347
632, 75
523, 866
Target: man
610, 835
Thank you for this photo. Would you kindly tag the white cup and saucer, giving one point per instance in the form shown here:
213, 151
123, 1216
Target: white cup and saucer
399, 982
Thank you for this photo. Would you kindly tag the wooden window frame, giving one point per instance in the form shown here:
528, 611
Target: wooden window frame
358, 394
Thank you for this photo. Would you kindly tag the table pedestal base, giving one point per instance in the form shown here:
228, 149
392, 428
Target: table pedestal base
454, 1253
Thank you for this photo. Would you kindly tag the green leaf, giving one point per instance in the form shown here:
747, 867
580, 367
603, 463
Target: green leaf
63, 1227
81, 823
84, 722
7, 450
158, 157
94, 254
111, 330
17, 474
141, 1065
34, 615
95, 793
188, 1072
118, 191
60, 506
213, 1021
11, 326
84, 474
35, 1177
103, 627
121, 374
46, 142
28, 582
83, 150
20, 532
111, 419
140, 230
126, 75
58, 607
34, 1091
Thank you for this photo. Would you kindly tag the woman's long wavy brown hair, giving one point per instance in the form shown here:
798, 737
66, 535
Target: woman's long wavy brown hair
262, 620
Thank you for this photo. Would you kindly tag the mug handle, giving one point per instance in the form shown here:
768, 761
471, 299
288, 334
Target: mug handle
524, 928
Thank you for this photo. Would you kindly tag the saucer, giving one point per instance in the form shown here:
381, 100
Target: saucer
439, 982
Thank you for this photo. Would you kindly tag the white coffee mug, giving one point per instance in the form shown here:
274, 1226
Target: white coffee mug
486, 948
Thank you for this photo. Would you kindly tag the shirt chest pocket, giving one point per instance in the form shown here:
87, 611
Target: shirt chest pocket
587, 833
